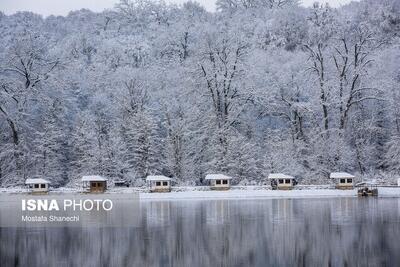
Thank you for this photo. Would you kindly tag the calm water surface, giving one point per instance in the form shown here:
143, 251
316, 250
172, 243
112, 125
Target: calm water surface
278, 232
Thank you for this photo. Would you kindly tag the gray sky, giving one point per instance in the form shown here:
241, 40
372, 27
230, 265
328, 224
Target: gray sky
62, 7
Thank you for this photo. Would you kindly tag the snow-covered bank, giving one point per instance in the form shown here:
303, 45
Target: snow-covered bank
13, 190
263, 194
389, 191
239, 192
249, 194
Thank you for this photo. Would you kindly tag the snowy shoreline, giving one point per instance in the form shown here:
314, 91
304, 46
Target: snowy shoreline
248, 194
262, 194
202, 193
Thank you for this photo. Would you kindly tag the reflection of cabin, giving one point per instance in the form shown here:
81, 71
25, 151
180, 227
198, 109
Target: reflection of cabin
94, 183
159, 183
38, 185
219, 181
343, 180
281, 181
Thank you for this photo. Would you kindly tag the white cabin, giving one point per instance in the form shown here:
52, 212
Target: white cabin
219, 181
38, 185
343, 180
281, 181
94, 183
159, 183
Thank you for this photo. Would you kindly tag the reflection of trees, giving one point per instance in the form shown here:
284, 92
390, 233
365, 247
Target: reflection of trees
321, 232
158, 213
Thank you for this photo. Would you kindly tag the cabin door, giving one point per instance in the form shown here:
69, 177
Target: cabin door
96, 187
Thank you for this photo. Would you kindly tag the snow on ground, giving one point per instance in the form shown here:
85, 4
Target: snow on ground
13, 190
249, 194
255, 192
389, 191
236, 192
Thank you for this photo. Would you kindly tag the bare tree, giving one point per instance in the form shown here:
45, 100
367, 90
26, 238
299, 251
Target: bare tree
352, 57
220, 67
26, 67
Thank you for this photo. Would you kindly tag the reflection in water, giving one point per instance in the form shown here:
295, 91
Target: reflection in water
298, 232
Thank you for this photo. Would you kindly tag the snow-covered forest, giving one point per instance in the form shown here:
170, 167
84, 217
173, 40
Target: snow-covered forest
259, 86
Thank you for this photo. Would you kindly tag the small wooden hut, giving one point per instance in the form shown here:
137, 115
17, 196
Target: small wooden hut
94, 183
343, 180
281, 181
38, 185
159, 183
219, 181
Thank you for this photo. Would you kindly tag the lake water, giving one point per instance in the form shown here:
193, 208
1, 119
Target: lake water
277, 232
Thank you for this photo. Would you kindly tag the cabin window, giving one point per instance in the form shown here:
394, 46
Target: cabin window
165, 183
217, 181
224, 181
349, 181
342, 181
158, 183
280, 181
287, 181
99, 184
42, 186
94, 184
36, 186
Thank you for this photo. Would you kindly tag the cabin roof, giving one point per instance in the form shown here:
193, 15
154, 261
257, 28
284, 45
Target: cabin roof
217, 177
338, 175
371, 182
36, 181
94, 178
157, 178
279, 176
